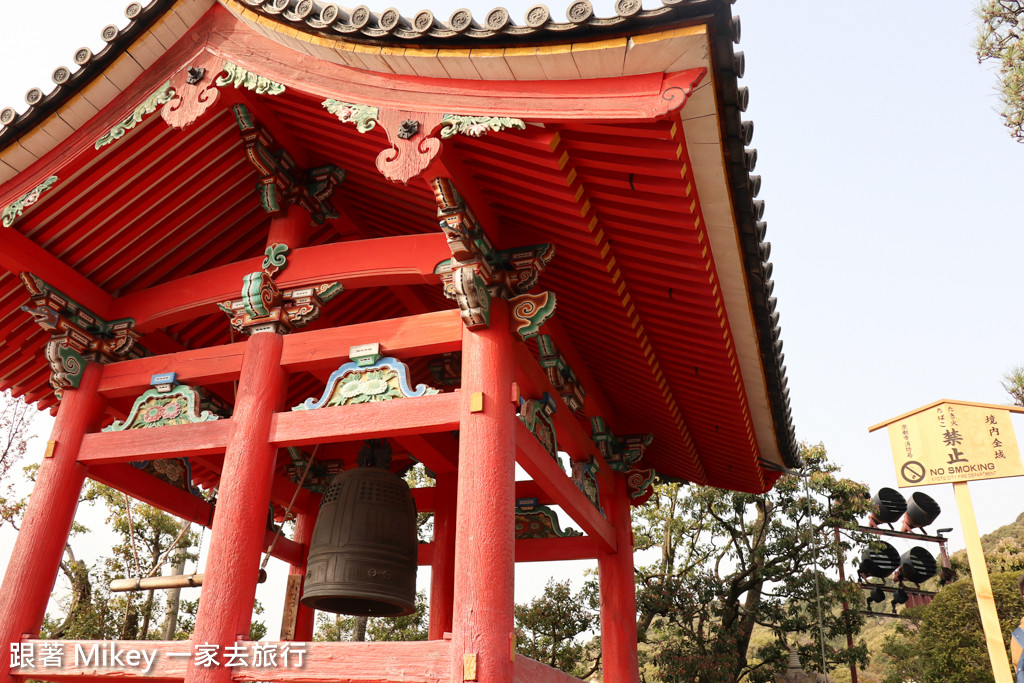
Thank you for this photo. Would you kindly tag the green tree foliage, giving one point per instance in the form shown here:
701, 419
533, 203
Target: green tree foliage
944, 642
335, 627
729, 561
548, 626
1013, 383
999, 40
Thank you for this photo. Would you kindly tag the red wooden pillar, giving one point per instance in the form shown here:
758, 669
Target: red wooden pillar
240, 522
482, 624
35, 559
442, 572
304, 616
618, 590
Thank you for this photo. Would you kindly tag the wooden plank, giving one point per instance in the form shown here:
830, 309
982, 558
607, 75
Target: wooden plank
422, 415
158, 442
601, 58
526, 670
380, 262
539, 464
655, 52
415, 335
982, 585
491, 64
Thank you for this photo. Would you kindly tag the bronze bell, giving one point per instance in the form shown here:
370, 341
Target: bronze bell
363, 553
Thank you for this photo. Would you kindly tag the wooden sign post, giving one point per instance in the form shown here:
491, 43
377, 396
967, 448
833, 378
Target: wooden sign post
956, 442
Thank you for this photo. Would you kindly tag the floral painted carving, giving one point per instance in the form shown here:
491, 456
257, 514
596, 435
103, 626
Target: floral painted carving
536, 415
182, 404
242, 78
539, 521
562, 377
175, 471
477, 126
77, 335
477, 272
584, 475
281, 180
15, 209
152, 103
362, 115
352, 384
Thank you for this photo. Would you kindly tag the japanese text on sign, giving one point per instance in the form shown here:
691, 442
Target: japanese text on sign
950, 441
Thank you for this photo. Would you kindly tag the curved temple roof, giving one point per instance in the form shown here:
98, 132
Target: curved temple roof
629, 154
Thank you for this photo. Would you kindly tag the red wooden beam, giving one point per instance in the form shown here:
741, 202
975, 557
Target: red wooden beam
169, 441
422, 415
539, 464
198, 367
415, 335
152, 491
314, 350
381, 262
438, 452
18, 253
177, 502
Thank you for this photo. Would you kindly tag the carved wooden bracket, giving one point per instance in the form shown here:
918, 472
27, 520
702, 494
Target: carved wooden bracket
562, 377
263, 307
280, 178
77, 335
477, 272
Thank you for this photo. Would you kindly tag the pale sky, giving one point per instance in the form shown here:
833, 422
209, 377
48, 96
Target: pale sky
891, 191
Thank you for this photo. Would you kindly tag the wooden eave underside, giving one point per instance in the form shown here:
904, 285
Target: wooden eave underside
611, 183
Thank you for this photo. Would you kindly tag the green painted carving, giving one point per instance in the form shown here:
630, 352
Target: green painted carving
477, 126
182, 404
77, 335
621, 453
562, 377
259, 294
362, 115
638, 481
175, 471
15, 209
536, 415
152, 103
477, 272
242, 78
281, 180
540, 521
447, 369
584, 475
352, 384
319, 475
276, 258
530, 311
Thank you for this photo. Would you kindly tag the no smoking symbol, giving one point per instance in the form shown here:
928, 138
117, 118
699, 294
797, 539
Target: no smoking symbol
913, 472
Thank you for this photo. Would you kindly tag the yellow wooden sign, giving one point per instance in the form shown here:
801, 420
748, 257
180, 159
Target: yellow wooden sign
950, 441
